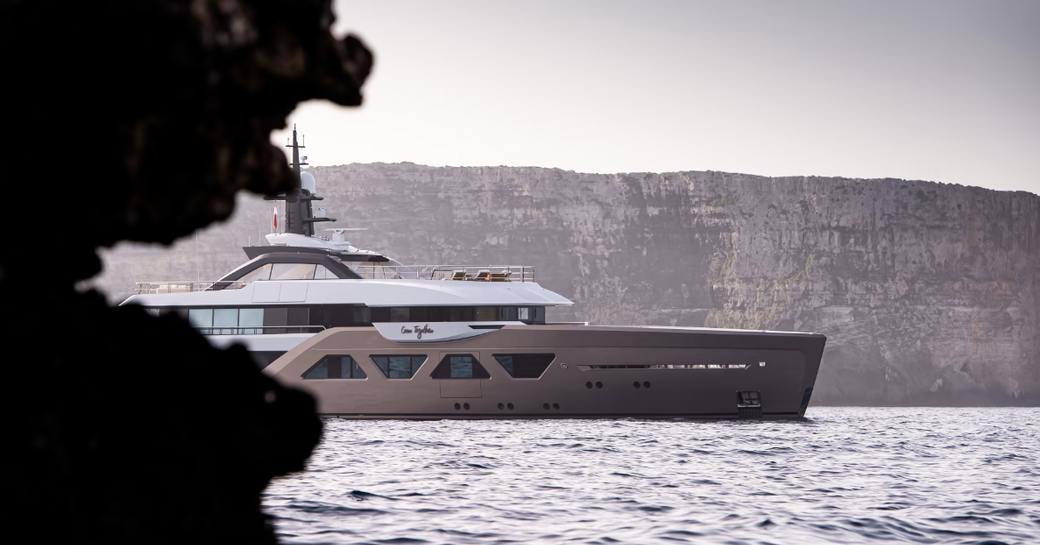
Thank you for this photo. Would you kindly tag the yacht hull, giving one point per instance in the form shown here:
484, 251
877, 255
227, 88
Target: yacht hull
595, 372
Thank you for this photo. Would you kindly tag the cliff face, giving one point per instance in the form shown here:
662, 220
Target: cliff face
928, 293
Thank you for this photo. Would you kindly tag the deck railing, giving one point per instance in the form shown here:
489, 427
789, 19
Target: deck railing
185, 286
488, 273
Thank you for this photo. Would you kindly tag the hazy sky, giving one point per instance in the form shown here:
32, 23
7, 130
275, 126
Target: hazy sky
936, 90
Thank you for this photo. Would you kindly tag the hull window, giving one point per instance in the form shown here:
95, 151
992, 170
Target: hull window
335, 367
460, 366
525, 365
399, 366
667, 366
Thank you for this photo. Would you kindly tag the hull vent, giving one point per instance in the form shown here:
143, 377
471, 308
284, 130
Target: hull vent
749, 404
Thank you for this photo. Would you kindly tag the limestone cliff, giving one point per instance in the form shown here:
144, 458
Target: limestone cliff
927, 292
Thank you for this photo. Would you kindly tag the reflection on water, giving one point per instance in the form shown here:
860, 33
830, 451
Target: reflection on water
845, 475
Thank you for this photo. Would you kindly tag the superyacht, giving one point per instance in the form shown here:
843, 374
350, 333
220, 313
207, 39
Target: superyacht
372, 338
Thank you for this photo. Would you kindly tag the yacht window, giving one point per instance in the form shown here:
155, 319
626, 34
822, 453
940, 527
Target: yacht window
225, 320
507, 314
299, 316
251, 318
399, 366
525, 365
335, 366
362, 315
322, 273
532, 314
275, 316
259, 273
461, 314
399, 314
460, 366
420, 314
201, 318
487, 314
292, 271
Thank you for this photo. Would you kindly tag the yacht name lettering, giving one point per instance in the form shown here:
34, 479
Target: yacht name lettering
419, 331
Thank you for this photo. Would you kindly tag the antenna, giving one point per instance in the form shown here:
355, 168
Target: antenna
299, 215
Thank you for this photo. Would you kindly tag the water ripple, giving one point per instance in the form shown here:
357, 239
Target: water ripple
844, 475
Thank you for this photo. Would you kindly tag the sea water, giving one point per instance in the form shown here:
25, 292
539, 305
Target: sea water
842, 475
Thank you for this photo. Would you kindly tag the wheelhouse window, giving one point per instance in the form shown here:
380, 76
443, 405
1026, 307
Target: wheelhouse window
400, 367
292, 271
262, 272
322, 273
525, 365
460, 366
335, 366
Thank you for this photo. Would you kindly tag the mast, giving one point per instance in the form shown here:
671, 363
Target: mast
299, 213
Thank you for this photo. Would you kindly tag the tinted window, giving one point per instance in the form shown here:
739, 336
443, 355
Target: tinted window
525, 365
487, 314
399, 366
321, 273
459, 366
507, 314
335, 366
275, 316
298, 316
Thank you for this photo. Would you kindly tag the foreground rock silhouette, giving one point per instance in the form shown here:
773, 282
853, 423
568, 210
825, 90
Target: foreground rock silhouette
150, 116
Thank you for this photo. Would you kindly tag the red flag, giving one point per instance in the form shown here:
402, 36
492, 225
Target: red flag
274, 221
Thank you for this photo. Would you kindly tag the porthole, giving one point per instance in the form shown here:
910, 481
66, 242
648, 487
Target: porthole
545, 406
457, 406
588, 385
509, 406
599, 384
501, 406
556, 406
465, 406
646, 384
636, 385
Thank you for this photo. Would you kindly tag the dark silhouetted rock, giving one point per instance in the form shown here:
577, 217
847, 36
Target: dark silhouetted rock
143, 120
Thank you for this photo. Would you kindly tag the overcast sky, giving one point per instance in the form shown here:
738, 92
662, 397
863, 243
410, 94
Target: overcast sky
936, 90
